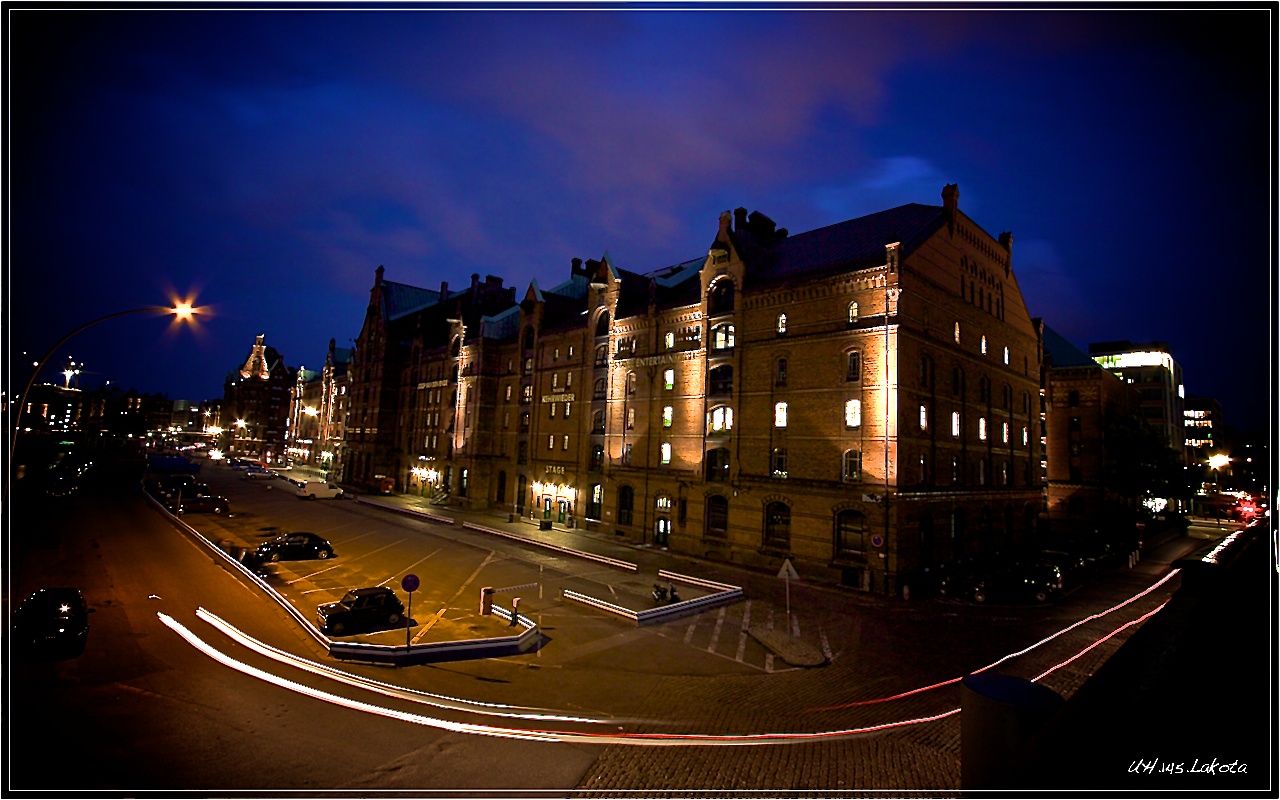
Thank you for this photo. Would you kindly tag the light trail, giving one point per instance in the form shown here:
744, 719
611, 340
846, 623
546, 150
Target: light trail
425, 698
1021, 652
527, 734
1128, 624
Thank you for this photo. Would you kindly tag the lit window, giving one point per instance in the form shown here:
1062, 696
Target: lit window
720, 418
1006, 355
853, 413
722, 337
982, 428
667, 414
555, 354
666, 452
631, 418
669, 379
555, 380
567, 407
568, 378
669, 340
570, 351
551, 442
565, 444
526, 393
782, 323
955, 423
778, 461
508, 398
780, 415
957, 333
853, 312
851, 467
924, 417
1025, 437
553, 410
984, 344
1004, 432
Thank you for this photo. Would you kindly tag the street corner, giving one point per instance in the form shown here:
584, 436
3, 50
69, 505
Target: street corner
791, 649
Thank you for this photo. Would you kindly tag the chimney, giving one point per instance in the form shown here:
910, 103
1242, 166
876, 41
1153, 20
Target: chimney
475, 285
951, 198
576, 266
377, 275
444, 289
761, 227
739, 220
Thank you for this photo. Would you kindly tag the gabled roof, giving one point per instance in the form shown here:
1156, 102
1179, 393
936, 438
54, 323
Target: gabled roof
1060, 354
854, 244
402, 299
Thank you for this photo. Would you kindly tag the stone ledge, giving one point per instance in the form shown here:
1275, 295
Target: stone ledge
795, 652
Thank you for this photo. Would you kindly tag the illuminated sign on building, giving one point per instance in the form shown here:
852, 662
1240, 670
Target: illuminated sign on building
1147, 358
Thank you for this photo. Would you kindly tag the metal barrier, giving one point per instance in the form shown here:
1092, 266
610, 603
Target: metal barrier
613, 562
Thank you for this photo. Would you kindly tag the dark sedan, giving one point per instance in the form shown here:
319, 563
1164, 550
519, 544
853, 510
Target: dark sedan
51, 623
216, 505
292, 546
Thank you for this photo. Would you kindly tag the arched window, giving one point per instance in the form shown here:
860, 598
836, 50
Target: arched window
721, 380
719, 419
500, 494
526, 341
717, 516
597, 458
778, 462
781, 325
626, 502
853, 312
669, 341
599, 390
631, 383
455, 347
851, 466
718, 464
780, 372
602, 324
853, 366
851, 534
602, 355
722, 337
777, 525
720, 297
597, 421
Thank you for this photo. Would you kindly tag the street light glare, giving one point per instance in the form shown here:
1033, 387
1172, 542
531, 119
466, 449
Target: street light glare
183, 310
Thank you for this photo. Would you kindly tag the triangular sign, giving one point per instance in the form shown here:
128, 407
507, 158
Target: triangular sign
788, 571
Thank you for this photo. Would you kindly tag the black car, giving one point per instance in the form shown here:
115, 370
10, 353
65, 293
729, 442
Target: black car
289, 546
374, 608
169, 488
52, 623
1017, 583
217, 505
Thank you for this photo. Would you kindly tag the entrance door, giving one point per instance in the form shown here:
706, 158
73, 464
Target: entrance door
562, 510
546, 508
662, 532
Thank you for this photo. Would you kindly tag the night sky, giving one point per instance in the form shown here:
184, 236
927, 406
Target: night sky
267, 162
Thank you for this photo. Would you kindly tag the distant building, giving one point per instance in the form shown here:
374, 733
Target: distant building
318, 411
1202, 420
1082, 398
255, 405
857, 399
1150, 369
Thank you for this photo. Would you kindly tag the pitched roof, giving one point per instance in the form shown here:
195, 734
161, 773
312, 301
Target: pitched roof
402, 299
853, 244
1059, 353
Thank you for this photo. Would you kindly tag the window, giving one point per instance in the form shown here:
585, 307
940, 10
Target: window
1004, 432
602, 355
926, 372
667, 415
851, 465
555, 380
1073, 424
565, 443
528, 366
662, 503
553, 411
599, 392
1025, 436
669, 379
853, 366
955, 469
570, 351
595, 501
851, 534
631, 419
597, 458
717, 516
781, 325
626, 454
720, 297
526, 394
924, 418
778, 462
779, 415
669, 340
721, 379
597, 421
957, 334
982, 428
722, 337
555, 354
852, 413
568, 407
631, 383
522, 453
853, 312
508, 393
626, 502
983, 346
719, 419
551, 442
780, 373
955, 423
718, 464
777, 525
506, 420
1006, 355
666, 452
463, 481
1073, 398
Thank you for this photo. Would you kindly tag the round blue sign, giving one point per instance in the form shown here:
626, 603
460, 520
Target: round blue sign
877, 540
410, 583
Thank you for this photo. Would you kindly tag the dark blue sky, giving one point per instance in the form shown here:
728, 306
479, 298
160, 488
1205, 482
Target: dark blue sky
269, 161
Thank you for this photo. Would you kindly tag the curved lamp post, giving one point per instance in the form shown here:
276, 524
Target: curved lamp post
182, 311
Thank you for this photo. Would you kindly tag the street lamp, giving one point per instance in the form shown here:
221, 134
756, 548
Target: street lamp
182, 312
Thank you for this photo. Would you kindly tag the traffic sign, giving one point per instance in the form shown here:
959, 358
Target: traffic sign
410, 583
877, 540
788, 571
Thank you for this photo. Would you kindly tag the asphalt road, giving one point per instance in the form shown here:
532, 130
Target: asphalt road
147, 710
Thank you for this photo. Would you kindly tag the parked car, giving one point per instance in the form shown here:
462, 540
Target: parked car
291, 546
245, 463
206, 503
169, 488
374, 608
312, 490
1018, 582
258, 473
51, 623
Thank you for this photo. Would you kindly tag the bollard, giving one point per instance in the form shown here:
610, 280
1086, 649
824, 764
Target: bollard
515, 611
999, 714
486, 601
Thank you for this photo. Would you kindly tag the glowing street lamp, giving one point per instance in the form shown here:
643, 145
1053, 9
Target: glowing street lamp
181, 310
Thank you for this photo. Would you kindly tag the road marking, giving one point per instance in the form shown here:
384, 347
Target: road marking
688, 635
472, 576
795, 627
424, 558
826, 646
715, 633
436, 617
742, 634
312, 575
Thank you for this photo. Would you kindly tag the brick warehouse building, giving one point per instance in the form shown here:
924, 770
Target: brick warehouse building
858, 398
